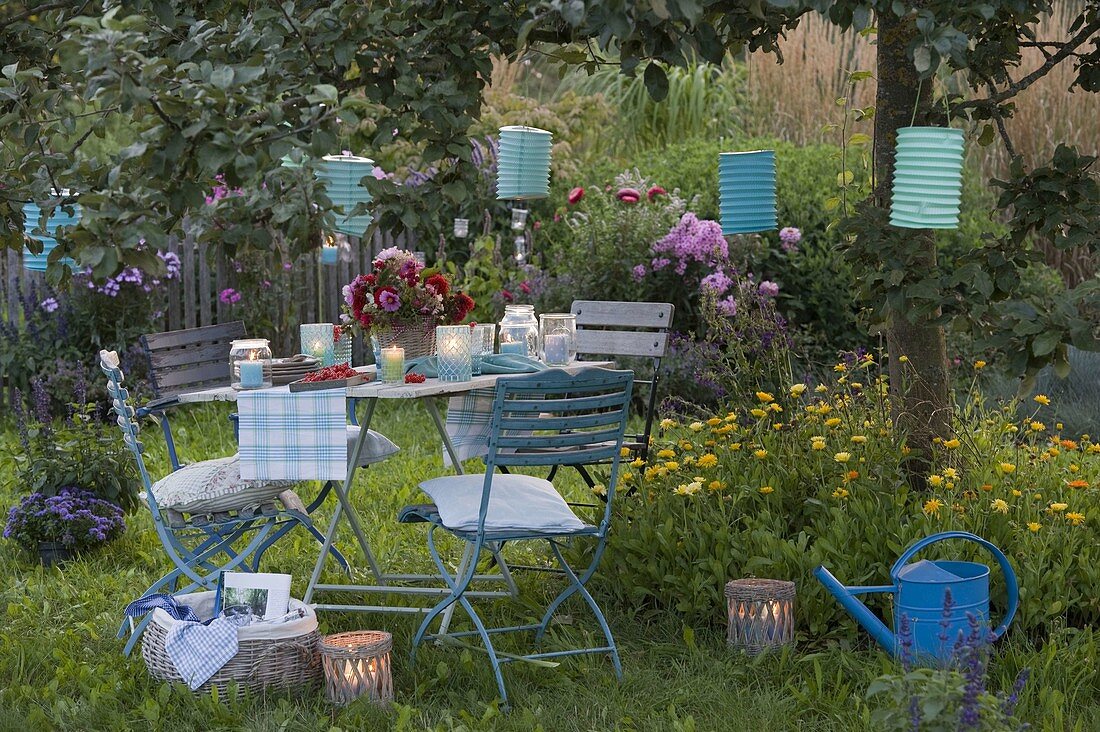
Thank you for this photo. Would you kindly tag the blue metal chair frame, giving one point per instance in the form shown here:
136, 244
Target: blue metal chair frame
542, 419
192, 548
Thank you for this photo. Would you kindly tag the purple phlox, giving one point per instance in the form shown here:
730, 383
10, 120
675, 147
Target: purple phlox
638, 272
229, 296
694, 240
728, 306
717, 281
287, 266
768, 288
50, 304
789, 237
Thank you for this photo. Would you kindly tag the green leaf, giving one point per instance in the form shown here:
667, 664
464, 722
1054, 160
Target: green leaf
922, 59
656, 81
222, 77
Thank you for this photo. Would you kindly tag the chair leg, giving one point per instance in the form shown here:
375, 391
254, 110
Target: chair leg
576, 585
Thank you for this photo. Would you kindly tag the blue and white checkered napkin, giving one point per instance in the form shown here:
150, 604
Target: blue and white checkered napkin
299, 436
198, 651
469, 418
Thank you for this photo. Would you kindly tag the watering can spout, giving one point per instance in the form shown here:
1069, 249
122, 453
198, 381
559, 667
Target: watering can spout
846, 596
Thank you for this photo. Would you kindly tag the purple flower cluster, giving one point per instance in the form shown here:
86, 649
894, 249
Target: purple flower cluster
50, 304
134, 276
789, 236
229, 296
693, 240
74, 517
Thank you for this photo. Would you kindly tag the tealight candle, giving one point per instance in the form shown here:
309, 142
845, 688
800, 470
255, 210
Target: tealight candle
557, 349
392, 366
517, 347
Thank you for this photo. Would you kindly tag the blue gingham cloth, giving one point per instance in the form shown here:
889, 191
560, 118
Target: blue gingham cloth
198, 651
299, 436
165, 602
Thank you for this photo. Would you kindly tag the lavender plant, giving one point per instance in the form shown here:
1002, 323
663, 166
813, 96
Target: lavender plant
73, 517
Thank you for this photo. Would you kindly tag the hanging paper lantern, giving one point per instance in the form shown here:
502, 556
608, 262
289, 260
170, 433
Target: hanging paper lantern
746, 186
523, 163
342, 175
59, 218
927, 178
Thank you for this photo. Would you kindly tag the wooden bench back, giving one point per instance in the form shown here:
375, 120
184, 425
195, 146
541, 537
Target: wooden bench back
191, 359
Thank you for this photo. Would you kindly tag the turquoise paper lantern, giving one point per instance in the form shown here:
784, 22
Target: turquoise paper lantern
342, 175
927, 178
746, 191
58, 219
523, 163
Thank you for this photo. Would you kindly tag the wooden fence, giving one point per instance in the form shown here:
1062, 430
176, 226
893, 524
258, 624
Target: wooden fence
192, 299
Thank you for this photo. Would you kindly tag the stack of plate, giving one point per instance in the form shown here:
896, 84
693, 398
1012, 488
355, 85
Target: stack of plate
342, 175
746, 191
523, 163
927, 178
286, 370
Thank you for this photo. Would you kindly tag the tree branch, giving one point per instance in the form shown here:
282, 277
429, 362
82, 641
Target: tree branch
44, 8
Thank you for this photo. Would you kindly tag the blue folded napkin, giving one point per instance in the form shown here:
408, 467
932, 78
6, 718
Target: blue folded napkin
498, 363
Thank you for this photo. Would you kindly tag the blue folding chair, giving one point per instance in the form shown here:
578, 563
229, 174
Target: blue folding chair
209, 541
542, 419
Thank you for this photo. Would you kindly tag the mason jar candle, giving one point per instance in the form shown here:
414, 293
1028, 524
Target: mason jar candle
250, 363
557, 338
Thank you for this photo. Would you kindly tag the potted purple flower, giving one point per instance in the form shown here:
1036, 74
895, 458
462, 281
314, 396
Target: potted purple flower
61, 526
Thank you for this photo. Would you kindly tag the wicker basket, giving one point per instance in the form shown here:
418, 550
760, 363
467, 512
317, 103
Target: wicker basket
357, 664
417, 339
761, 614
285, 656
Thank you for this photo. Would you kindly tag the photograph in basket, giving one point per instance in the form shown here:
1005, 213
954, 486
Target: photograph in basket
263, 595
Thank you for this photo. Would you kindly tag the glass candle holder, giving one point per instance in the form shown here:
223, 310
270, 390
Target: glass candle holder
357, 664
483, 341
557, 338
519, 330
462, 228
519, 219
453, 356
343, 341
392, 365
318, 341
250, 363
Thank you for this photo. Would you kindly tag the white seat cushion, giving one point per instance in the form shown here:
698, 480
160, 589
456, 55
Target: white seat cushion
377, 447
214, 485
516, 502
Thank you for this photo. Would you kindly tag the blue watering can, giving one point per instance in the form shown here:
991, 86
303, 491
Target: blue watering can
921, 588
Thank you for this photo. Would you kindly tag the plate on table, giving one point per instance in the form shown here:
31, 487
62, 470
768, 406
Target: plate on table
286, 370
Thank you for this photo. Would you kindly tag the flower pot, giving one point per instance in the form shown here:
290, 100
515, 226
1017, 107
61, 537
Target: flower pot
54, 552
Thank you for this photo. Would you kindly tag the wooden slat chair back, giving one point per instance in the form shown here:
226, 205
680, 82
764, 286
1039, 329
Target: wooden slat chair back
630, 329
195, 358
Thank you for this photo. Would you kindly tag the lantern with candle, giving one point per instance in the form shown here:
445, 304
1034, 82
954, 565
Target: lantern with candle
761, 614
357, 664
250, 363
62, 217
318, 341
523, 163
392, 364
454, 358
557, 338
519, 330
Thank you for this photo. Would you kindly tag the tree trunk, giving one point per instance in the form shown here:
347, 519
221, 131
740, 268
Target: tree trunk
919, 388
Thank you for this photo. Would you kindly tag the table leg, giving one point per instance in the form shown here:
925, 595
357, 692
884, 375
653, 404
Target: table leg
330, 536
441, 426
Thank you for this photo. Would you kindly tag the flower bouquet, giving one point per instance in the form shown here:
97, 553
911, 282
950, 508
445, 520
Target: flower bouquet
400, 303
60, 526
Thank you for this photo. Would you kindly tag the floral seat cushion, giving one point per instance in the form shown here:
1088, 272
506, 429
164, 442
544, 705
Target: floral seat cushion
214, 485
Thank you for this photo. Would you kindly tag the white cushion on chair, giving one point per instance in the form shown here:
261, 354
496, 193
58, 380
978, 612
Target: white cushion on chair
214, 485
520, 502
377, 447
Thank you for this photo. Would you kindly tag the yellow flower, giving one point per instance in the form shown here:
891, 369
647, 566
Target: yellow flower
758, 413
725, 429
1042, 399
652, 473
627, 477
716, 485
599, 489
708, 460
774, 407
688, 459
731, 417
933, 506
1033, 526
1054, 452
672, 465
842, 457
797, 389
1007, 468
1015, 492
979, 364
1093, 449
821, 388
690, 489
765, 397
695, 426
1037, 426
1058, 426
1075, 518
840, 368
824, 409
735, 445
624, 452
817, 443
760, 454
832, 422
637, 463
859, 439
667, 424
903, 359
999, 505
766, 489
935, 481
686, 446
777, 426
950, 473
905, 449
1059, 507
666, 454
840, 493
951, 444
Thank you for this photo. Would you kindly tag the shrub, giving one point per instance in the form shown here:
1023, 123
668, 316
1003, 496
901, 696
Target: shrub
788, 479
73, 517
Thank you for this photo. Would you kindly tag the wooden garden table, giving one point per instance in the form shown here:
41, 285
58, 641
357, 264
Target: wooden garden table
425, 393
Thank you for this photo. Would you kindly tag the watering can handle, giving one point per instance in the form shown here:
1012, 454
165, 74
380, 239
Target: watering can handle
1006, 568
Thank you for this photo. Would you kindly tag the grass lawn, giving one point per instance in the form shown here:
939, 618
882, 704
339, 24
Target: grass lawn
61, 667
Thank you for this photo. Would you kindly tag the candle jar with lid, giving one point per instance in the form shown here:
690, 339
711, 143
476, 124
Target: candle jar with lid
250, 363
519, 330
557, 338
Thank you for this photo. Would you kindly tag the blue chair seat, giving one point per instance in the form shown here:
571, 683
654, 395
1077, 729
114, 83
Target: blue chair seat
518, 505
426, 513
